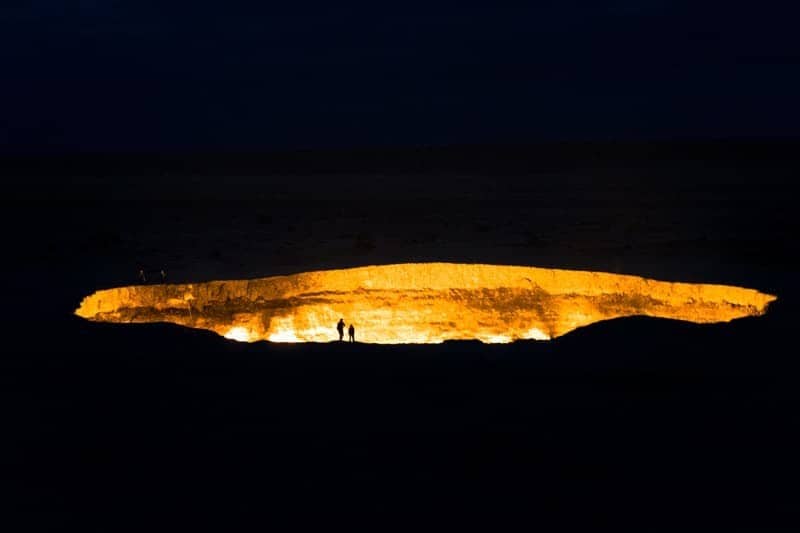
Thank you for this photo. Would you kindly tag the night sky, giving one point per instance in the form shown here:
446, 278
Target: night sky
144, 75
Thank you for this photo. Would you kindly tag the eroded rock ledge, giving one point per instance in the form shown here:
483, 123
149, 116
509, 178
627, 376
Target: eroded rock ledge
420, 303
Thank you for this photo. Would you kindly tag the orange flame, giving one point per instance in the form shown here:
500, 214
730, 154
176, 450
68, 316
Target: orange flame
420, 303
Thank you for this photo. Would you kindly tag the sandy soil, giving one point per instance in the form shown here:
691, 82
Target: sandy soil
683, 221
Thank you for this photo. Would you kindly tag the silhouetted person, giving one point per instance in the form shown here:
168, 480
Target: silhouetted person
163, 276
340, 327
352, 332
142, 277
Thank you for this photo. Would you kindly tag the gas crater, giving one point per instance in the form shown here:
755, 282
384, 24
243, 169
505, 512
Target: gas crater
419, 303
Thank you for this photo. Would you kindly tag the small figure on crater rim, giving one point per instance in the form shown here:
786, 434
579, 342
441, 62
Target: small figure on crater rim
340, 328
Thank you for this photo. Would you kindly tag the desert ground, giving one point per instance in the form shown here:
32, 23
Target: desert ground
638, 423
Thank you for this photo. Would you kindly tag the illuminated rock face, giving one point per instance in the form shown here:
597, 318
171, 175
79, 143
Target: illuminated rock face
419, 303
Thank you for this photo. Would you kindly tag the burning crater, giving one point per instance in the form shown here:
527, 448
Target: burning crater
419, 303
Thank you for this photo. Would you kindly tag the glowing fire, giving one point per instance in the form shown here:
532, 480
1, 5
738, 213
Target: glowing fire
238, 334
283, 332
419, 303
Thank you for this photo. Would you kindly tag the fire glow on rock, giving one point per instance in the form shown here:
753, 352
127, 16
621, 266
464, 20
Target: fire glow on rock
419, 303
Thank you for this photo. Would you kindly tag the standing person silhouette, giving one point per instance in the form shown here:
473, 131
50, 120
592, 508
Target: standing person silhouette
340, 328
352, 332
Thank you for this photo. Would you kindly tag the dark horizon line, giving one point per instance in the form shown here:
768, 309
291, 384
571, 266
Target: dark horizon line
527, 142
524, 155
